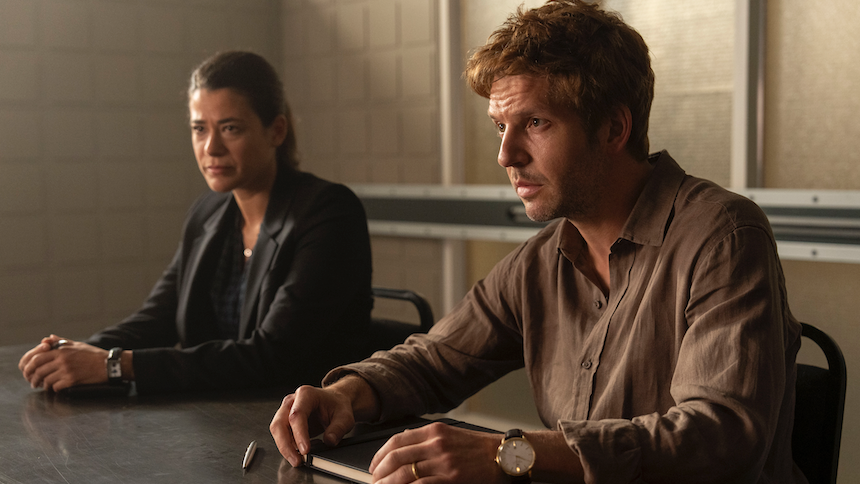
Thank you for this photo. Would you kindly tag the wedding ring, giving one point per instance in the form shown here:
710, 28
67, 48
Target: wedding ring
415, 470
59, 343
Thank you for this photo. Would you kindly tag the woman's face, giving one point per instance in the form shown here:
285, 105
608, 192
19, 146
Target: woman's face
234, 151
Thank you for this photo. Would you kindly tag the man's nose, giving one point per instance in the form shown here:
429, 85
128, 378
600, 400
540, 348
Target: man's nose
511, 149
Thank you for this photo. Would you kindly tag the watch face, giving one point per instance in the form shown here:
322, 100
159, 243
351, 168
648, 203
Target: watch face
114, 369
516, 456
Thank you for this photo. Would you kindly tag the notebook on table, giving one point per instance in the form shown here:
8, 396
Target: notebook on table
351, 458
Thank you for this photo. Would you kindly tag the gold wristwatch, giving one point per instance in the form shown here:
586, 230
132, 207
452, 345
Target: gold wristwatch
516, 457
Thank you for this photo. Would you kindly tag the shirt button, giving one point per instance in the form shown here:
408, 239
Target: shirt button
586, 364
598, 303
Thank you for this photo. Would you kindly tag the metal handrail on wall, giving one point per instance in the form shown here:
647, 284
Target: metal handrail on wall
820, 225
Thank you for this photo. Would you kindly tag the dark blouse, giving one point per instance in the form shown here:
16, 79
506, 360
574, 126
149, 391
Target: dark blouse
228, 285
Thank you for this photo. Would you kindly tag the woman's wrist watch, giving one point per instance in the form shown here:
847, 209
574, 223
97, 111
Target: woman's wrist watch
516, 457
114, 366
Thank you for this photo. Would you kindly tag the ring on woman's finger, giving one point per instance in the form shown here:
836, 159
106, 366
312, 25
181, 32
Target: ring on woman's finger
415, 470
59, 343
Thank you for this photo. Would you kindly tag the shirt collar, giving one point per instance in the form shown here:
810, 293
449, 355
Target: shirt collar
652, 213
649, 218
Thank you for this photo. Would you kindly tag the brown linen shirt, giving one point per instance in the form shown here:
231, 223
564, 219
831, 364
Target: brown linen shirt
685, 373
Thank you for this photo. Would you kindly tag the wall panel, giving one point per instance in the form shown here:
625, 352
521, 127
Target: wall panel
361, 76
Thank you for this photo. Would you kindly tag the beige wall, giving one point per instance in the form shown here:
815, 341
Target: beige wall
811, 102
362, 77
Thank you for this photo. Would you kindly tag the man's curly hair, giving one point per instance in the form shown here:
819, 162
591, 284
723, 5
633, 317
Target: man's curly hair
594, 62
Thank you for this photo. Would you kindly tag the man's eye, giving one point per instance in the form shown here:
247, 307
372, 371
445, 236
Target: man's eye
197, 129
500, 127
535, 122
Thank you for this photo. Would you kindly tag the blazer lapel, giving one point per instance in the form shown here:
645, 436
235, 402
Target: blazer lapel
271, 238
197, 255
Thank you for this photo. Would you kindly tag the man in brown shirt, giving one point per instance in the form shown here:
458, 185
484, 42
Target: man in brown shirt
652, 318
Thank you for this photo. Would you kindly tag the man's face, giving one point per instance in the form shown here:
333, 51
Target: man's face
546, 151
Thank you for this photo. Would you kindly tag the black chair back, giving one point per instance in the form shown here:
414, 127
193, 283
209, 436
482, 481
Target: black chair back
386, 333
818, 411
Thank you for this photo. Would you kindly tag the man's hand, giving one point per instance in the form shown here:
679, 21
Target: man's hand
310, 411
441, 453
446, 454
74, 363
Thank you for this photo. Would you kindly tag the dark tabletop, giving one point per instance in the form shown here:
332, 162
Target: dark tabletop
184, 438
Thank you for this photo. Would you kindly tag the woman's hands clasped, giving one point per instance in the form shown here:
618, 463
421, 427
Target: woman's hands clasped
57, 363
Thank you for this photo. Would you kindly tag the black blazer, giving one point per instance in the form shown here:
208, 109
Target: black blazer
308, 295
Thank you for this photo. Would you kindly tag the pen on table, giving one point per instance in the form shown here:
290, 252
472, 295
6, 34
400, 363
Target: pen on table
249, 454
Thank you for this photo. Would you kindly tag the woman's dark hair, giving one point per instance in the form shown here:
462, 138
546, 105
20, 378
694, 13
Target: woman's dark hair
252, 76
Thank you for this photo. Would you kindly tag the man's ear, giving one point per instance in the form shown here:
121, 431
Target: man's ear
620, 125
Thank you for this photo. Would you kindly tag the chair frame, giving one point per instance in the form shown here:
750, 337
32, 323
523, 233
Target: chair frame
425, 312
384, 333
820, 467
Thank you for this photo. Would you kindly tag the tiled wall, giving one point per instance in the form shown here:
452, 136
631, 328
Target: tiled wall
96, 170
692, 54
812, 68
362, 77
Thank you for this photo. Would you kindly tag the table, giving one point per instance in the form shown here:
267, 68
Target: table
185, 438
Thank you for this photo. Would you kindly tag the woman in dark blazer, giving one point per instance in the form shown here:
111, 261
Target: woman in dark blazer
270, 284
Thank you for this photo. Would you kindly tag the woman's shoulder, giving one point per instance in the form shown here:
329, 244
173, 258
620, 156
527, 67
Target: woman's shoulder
309, 181
312, 189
